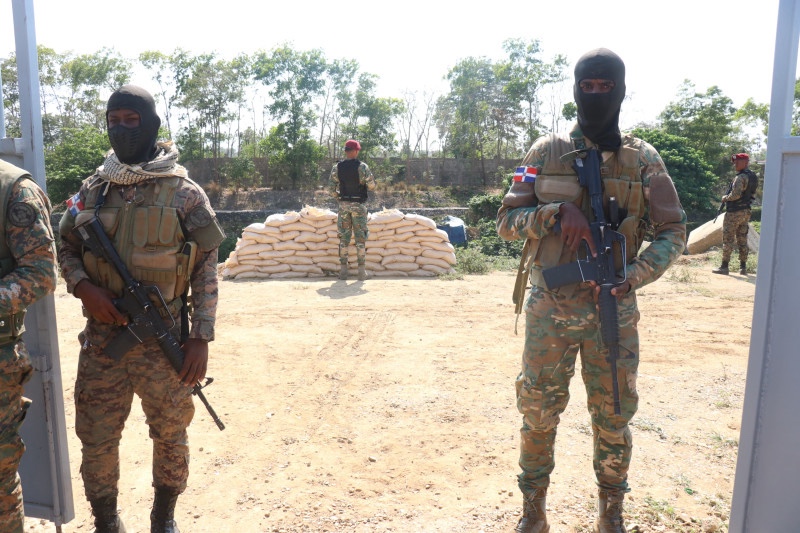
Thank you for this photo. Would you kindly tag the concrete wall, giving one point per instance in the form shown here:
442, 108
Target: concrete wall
428, 171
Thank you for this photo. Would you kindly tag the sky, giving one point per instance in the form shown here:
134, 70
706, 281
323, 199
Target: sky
411, 45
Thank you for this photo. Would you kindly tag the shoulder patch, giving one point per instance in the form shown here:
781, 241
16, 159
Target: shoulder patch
21, 214
199, 217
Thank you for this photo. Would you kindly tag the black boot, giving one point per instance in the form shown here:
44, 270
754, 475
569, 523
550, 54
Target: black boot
723, 269
106, 518
162, 517
609, 510
743, 267
534, 509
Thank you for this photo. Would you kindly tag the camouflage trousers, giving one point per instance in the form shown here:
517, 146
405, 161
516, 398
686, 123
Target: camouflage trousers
557, 329
734, 231
15, 371
104, 392
352, 221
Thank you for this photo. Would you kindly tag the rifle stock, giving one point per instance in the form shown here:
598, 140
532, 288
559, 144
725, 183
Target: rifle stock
145, 320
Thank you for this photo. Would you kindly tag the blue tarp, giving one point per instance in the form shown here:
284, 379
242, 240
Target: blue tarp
455, 229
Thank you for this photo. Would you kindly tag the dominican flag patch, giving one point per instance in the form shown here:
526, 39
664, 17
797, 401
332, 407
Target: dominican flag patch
526, 174
75, 204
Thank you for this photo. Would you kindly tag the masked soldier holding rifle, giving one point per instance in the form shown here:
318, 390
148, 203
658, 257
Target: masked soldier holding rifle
583, 201
139, 248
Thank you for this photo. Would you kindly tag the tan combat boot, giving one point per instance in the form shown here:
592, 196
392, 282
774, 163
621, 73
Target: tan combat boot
534, 508
609, 509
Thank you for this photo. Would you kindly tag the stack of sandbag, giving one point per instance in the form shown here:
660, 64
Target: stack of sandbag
306, 244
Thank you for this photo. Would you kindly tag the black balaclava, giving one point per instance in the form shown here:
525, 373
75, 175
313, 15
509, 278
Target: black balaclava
598, 114
134, 145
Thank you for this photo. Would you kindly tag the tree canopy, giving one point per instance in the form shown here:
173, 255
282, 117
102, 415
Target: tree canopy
296, 108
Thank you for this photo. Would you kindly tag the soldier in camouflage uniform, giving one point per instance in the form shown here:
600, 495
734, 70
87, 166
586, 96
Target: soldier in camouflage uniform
737, 214
547, 206
28, 271
350, 181
163, 227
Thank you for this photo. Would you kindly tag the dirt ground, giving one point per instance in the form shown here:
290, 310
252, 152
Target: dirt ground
388, 406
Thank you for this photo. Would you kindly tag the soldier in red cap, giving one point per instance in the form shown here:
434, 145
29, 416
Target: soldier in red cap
350, 180
737, 202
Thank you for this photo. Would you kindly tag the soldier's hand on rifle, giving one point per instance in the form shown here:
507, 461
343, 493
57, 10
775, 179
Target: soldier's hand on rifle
575, 228
619, 291
195, 362
98, 302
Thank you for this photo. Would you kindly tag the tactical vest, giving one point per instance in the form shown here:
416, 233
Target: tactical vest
12, 325
558, 182
746, 199
148, 236
350, 187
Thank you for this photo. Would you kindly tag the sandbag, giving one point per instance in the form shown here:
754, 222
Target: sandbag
281, 219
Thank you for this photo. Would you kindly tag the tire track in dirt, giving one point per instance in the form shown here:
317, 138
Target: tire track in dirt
353, 343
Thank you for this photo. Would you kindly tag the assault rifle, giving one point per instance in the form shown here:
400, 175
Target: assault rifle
722, 203
601, 269
145, 320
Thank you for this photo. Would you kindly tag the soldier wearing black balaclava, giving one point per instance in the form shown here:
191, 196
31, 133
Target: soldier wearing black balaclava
134, 145
598, 113
165, 231
547, 206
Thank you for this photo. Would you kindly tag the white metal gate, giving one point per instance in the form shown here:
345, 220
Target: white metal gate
46, 483
767, 481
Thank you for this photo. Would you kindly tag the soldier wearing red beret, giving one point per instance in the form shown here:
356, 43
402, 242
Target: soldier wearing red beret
737, 213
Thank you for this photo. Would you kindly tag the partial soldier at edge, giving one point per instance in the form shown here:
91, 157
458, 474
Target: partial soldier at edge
28, 270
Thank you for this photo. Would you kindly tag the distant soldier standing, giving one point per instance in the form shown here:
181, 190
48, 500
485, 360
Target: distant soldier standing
28, 272
350, 181
162, 226
737, 213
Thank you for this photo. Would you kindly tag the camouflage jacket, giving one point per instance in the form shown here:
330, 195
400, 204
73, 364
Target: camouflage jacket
536, 219
189, 198
29, 237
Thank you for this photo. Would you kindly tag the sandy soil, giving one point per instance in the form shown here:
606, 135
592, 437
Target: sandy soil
388, 405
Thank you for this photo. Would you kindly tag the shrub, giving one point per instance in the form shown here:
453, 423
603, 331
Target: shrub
484, 206
471, 261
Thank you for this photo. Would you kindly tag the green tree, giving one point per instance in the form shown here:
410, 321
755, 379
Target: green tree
693, 176
214, 88
240, 173
369, 118
10, 87
706, 119
476, 118
524, 75
165, 70
796, 109
294, 79
340, 76
752, 125
75, 158
88, 80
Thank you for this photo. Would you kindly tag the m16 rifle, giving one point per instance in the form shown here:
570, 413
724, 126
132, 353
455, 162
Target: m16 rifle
136, 302
601, 268
722, 203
